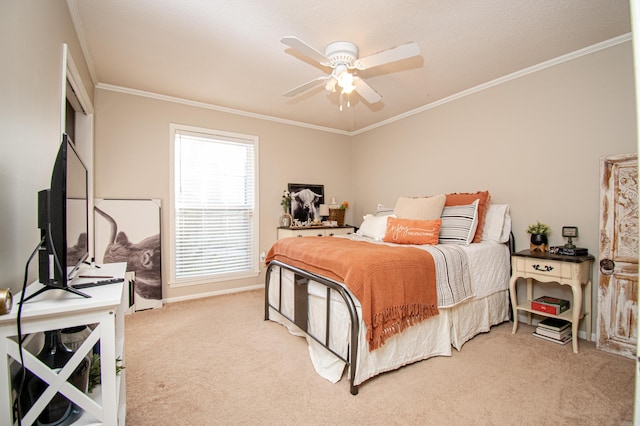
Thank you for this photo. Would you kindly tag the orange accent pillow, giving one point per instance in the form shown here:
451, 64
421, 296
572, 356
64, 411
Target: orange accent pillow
463, 198
409, 231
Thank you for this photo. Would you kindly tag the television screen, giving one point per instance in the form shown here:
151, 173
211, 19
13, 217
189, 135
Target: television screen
77, 214
63, 218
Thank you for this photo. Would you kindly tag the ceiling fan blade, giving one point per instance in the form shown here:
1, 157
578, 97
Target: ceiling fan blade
307, 86
305, 49
386, 56
366, 91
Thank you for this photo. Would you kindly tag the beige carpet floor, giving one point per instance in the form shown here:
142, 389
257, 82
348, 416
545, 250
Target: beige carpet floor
215, 361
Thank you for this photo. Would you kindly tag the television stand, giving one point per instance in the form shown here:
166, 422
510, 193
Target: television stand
55, 287
106, 405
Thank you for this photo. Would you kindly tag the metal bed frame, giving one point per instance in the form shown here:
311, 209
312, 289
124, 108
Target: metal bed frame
301, 317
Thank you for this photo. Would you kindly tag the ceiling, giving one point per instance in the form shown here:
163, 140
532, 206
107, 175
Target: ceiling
228, 54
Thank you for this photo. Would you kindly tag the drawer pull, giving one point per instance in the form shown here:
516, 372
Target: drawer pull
546, 268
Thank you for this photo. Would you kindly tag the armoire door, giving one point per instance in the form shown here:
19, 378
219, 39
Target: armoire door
618, 269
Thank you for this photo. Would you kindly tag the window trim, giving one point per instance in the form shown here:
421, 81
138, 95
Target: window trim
184, 282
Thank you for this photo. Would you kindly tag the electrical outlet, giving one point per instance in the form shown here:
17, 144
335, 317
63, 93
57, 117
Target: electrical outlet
263, 256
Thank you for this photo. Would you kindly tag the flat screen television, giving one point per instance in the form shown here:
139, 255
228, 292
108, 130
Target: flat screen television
63, 219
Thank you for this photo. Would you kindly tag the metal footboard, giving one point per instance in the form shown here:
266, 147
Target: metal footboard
301, 317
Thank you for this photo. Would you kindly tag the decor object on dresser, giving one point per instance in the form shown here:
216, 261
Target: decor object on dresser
329, 288
539, 232
574, 271
337, 214
305, 202
285, 219
324, 211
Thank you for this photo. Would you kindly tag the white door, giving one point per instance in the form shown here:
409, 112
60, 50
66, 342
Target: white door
617, 329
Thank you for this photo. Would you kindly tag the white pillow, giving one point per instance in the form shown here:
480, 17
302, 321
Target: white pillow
459, 224
497, 223
374, 227
425, 208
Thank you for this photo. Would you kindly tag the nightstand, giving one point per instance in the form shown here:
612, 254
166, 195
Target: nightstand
574, 271
314, 231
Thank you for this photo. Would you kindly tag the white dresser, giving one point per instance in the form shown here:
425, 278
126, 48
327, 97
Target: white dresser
314, 231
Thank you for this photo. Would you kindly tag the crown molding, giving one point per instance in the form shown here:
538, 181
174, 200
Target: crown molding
501, 80
218, 108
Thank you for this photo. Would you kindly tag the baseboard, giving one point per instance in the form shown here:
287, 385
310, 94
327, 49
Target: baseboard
213, 293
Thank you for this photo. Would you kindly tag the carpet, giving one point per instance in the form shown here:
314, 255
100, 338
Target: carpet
216, 361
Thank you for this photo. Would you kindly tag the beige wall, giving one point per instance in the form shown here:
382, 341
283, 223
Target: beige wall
534, 143
33, 33
132, 161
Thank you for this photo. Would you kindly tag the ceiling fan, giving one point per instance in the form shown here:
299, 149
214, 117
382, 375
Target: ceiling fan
342, 58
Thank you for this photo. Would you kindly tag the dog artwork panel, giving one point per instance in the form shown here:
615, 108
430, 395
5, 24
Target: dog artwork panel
305, 201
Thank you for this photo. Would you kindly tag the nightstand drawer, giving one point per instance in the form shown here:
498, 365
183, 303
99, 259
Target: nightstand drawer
545, 268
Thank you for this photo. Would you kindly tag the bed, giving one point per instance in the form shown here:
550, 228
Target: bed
339, 317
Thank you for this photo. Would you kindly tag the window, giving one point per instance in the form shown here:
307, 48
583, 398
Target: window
214, 217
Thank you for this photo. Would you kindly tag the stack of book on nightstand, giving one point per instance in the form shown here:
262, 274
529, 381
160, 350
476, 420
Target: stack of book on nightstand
554, 330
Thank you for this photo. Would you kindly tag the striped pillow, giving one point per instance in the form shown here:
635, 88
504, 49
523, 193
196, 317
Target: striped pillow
459, 224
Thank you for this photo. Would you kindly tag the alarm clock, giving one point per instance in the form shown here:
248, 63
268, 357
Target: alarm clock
6, 301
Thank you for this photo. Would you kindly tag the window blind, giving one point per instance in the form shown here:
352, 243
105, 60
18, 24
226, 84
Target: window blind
214, 205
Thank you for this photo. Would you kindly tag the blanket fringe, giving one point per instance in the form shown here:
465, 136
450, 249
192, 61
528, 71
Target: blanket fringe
396, 319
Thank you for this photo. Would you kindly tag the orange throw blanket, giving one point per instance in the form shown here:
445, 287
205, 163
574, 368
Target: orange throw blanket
396, 286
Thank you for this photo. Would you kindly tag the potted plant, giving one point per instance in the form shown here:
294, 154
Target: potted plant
539, 232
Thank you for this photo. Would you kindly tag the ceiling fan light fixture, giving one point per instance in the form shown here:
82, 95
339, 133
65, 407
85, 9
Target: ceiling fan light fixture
345, 81
342, 56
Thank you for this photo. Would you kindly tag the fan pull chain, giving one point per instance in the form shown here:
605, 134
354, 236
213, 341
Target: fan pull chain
342, 96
